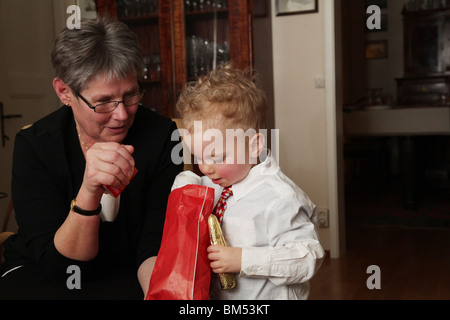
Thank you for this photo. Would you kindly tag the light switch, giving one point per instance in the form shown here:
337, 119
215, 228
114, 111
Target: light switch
319, 82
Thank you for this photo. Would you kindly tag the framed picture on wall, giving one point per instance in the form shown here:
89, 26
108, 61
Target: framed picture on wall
286, 7
376, 49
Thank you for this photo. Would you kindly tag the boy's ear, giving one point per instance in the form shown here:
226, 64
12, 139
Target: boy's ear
257, 145
63, 91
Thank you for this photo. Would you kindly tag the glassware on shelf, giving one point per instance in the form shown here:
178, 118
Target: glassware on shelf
374, 97
223, 53
152, 67
203, 55
155, 67
193, 52
204, 5
146, 74
136, 8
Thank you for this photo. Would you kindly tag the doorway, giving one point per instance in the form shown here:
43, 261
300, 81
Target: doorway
26, 79
374, 166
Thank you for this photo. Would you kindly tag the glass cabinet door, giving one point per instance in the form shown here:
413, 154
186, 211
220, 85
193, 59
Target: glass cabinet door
207, 36
142, 17
208, 33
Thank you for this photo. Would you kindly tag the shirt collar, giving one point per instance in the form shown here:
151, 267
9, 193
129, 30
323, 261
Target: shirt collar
256, 176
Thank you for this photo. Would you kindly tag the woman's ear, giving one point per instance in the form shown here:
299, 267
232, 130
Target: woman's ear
63, 91
257, 145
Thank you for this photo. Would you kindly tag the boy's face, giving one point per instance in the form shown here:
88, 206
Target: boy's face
226, 160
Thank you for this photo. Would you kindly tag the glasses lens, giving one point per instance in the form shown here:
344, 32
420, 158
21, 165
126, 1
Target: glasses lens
105, 107
132, 100
111, 105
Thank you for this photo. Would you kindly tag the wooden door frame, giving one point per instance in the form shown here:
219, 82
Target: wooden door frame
333, 67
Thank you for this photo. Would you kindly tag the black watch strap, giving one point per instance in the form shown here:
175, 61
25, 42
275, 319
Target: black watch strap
75, 208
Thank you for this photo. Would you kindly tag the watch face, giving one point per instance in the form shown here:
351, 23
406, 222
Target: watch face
73, 204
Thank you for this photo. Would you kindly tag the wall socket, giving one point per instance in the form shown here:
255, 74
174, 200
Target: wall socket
323, 218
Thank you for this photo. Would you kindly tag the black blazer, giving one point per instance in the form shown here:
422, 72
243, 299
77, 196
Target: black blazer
48, 168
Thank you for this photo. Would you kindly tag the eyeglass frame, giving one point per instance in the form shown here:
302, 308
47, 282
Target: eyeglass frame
141, 93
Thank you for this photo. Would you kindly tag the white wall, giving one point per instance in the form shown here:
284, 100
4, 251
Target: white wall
300, 108
26, 75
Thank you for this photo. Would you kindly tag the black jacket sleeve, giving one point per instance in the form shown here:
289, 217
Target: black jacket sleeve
41, 193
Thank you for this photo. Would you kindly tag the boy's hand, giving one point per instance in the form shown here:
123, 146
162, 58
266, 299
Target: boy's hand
225, 259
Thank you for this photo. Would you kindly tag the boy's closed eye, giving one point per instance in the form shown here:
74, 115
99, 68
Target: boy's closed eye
219, 158
212, 159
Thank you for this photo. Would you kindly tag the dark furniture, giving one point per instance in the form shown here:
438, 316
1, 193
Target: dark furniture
426, 58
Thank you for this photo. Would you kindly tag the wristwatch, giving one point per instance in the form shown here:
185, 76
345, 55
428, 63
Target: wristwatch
75, 208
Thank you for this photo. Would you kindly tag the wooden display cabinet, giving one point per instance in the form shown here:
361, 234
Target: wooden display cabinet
182, 39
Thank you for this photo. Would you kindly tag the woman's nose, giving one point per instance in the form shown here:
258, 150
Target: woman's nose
121, 112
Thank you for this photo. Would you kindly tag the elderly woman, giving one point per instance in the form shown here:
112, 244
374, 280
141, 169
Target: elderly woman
75, 240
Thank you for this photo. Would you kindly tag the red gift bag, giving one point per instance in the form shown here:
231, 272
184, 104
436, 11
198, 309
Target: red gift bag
182, 270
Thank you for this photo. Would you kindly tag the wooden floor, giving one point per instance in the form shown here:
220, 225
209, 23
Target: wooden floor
414, 264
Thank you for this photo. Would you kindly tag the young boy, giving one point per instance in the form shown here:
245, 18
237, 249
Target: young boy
273, 246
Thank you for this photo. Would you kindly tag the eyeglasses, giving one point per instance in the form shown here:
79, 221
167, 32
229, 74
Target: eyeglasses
109, 106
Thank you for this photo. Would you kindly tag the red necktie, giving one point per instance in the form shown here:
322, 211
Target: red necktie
222, 204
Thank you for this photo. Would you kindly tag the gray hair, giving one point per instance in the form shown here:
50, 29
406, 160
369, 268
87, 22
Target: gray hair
101, 46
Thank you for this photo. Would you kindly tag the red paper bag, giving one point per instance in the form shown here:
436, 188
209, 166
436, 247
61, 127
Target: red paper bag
182, 270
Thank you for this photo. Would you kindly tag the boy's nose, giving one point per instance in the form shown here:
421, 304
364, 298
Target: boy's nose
207, 168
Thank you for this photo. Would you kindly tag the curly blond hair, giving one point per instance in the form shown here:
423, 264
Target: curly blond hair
227, 97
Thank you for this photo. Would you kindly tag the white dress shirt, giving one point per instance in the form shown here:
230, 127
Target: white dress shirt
271, 219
